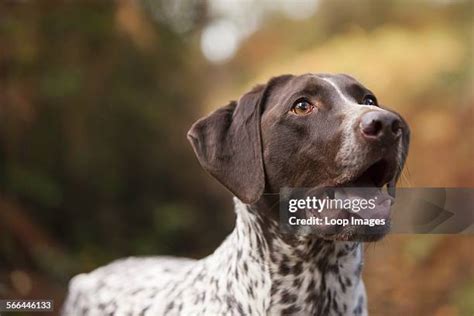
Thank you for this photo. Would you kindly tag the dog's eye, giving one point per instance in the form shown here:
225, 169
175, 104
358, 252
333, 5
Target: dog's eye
369, 100
302, 107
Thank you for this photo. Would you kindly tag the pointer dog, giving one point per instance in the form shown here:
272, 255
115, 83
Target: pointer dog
311, 131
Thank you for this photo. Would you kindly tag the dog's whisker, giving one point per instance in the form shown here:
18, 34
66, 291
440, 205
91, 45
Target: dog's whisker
406, 178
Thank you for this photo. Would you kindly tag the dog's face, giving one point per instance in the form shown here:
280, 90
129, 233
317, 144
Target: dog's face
308, 131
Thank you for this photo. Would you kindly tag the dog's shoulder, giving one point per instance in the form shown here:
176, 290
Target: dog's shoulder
131, 279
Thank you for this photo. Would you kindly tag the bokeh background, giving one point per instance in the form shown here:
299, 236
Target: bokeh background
96, 99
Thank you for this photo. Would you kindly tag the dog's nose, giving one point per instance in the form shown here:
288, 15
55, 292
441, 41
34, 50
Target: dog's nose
381, 126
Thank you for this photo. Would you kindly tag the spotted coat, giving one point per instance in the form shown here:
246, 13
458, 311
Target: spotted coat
255, 271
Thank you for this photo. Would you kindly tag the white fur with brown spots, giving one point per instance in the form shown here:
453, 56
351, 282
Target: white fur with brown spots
252, 273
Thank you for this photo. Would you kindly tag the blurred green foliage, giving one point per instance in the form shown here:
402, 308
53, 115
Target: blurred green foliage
463, 298
93, 126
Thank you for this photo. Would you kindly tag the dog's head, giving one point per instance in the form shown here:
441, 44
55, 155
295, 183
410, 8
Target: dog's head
311, 131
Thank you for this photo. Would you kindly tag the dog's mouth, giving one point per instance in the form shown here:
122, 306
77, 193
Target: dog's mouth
379, 174
375, 183
358, 208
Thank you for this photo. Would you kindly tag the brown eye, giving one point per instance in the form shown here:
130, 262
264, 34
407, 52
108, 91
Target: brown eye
369, 100
302, 107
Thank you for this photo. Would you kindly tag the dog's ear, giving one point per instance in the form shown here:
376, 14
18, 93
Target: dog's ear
228, 145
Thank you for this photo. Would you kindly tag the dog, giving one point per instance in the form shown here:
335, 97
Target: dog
306, 131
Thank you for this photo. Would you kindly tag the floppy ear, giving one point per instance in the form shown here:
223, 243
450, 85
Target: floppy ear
228, 145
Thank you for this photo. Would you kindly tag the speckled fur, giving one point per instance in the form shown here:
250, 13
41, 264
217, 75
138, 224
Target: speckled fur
256, 271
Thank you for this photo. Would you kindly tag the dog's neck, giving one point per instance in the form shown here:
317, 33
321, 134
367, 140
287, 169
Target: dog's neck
283, 276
